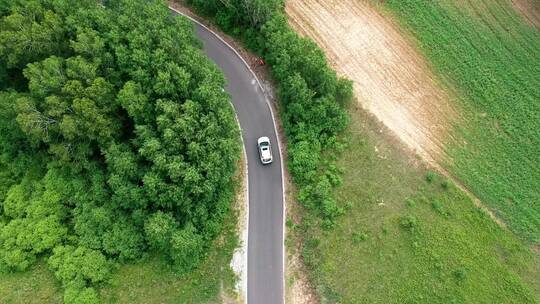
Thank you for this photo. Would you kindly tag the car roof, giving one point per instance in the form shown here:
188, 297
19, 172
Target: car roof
266, 152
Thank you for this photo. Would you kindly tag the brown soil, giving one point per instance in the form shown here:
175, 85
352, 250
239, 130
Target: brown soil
391, 79
529, 9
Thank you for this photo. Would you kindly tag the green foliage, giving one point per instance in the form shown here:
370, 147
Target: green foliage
408, 222
36, 214
123, 240
310, 93
186, 249
358, 237
159, 229
149, 280
16, 154
238, 15
27, 37
493, 63
75, 295
430, 176
76, 267
108, 128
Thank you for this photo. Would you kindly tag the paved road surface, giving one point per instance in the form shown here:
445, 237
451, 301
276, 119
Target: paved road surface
265, 245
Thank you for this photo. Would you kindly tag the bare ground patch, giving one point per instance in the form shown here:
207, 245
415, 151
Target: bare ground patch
391, 79
529, 10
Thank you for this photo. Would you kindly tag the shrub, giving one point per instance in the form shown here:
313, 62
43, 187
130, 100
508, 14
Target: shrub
409, 202
186, 249
77, 295
16, 259
408, 222
159, 229
79, 265
124, 240
459, 274
358, 237
430, 176
439, 208
445, 184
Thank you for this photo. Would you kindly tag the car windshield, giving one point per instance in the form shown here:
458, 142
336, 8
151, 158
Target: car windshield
265, 144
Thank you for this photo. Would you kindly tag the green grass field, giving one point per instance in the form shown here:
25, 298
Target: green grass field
486, 53
409, 236
150, 281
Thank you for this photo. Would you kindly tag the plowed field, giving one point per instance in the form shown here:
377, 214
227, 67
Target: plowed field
391, 79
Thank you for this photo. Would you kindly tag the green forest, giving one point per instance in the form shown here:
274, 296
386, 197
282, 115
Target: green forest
117, 140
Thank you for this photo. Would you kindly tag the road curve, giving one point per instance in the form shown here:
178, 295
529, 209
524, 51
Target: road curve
265, 281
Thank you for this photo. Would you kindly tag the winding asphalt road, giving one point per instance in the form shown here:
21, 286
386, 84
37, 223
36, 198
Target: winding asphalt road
265, 282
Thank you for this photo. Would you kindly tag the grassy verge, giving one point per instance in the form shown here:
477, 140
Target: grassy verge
409, 236
37, 285
148, 281
153, 282
490, 56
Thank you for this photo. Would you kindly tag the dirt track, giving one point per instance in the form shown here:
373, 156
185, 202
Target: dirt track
391, 79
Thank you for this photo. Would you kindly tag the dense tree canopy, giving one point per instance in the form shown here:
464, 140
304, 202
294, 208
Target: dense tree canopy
116, 138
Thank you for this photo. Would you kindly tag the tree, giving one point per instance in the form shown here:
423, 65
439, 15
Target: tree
79, 266
260, 11
186, 249
36, 213
124, 240
159, 229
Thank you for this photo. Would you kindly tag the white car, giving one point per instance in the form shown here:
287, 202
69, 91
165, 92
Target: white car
265, 149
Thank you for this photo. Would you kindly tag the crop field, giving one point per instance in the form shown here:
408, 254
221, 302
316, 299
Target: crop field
410, 236
489, 56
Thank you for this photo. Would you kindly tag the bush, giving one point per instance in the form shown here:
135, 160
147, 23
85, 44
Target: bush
439, 208
186, 249
430, 176
36, 226
408, 222
79, 266
76, 295
459, 274
159, 229
445, 184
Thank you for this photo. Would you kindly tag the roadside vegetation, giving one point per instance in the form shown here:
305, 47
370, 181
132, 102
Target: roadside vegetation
311, 96
117, 144
490, 57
